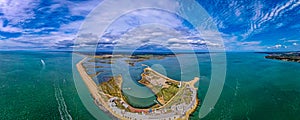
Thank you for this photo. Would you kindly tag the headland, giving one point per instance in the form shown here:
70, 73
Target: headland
286, 56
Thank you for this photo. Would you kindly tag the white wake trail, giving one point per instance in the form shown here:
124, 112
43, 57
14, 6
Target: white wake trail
62, 107
59, 105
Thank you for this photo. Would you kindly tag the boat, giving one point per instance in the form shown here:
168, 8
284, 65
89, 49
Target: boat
43, 63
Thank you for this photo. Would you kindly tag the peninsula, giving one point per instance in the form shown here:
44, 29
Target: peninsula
289, 56
175, 99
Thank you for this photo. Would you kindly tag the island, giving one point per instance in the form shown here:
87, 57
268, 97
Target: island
175, 99
285, 56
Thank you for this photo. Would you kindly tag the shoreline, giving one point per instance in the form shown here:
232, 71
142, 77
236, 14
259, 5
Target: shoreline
190, 83
101, 103
290, 56
91, 85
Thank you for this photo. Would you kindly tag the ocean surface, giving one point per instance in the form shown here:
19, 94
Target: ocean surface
255, 87
29, 90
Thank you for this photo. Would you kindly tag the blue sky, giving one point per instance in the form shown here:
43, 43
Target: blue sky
244, 26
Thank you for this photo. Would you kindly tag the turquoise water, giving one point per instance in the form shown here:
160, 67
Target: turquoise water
29, 91
255, 88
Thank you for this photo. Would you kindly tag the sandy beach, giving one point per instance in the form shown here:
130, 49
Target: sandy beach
103, 105
93, 88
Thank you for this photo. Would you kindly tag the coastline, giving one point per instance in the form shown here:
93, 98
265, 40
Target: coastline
197, 102
190, 83
290, 56
101, 103
91, 85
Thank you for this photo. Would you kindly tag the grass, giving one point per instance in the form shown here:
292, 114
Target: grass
111, 87
168, 93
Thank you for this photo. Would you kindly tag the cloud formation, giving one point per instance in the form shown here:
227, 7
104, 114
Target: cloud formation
244, 25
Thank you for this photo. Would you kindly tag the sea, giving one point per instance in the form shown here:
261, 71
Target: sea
45, 85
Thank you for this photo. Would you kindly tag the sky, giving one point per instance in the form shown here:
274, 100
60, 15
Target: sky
244, 25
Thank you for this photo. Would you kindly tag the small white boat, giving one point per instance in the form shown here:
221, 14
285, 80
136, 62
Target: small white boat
43, 63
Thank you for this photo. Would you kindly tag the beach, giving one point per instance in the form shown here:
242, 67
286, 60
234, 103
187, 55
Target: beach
103, 104
93, 88
273, 94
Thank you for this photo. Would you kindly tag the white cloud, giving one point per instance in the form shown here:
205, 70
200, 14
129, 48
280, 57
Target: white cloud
235, 45
79, 7
143, 17
278, 11
164, 36
32, 41
109, 11
72, 27
14, 13
154, 35
262, 19
295, 44
168, 37
9, 28
17, 11
278, 46
250, 43
291, 41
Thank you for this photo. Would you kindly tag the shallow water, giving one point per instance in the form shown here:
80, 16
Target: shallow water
255, 88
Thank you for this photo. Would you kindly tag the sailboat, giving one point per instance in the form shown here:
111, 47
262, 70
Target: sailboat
43, 63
